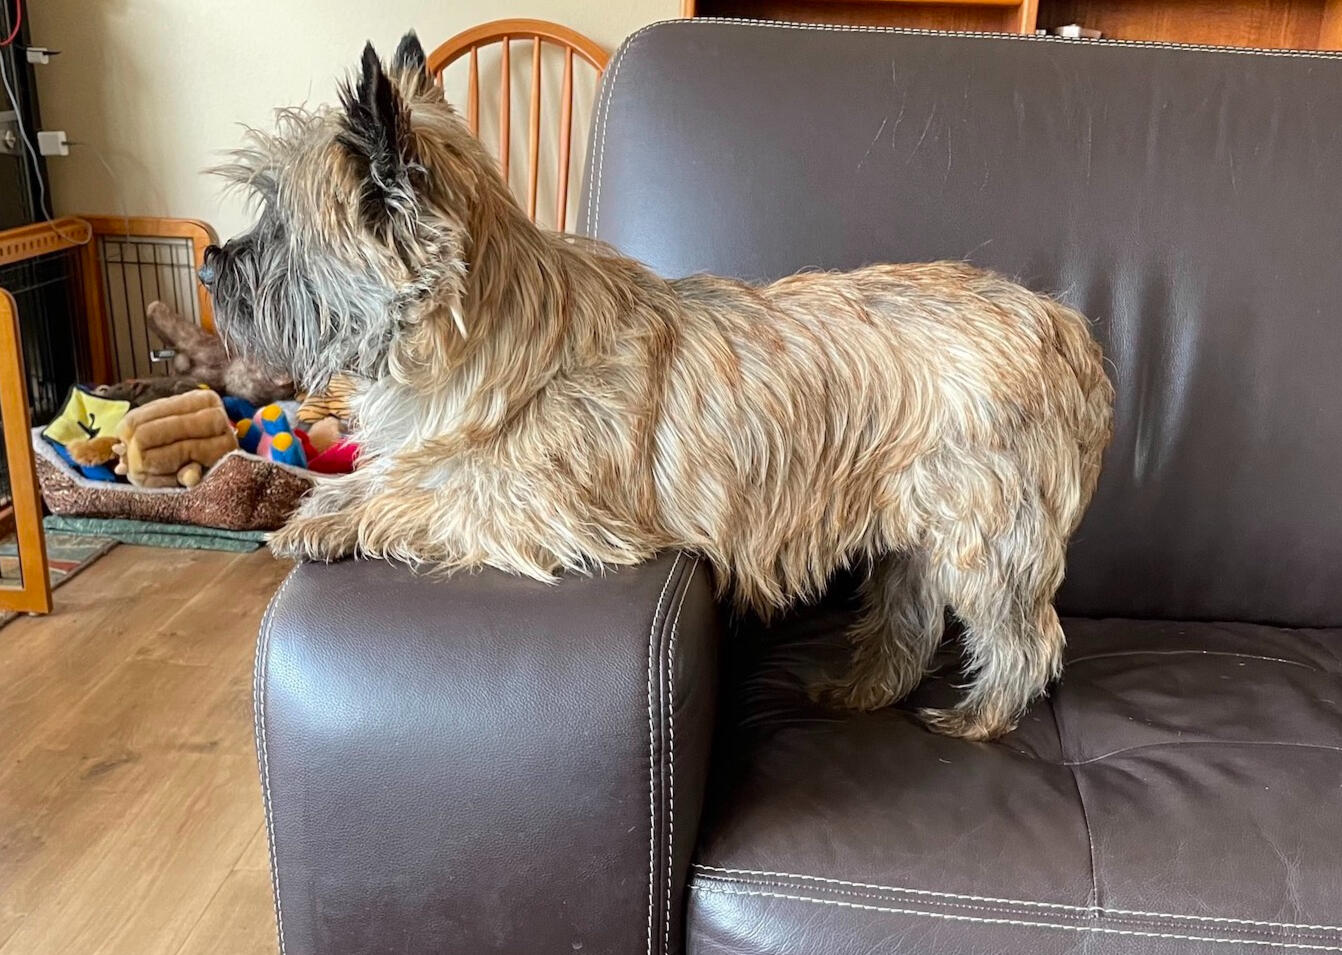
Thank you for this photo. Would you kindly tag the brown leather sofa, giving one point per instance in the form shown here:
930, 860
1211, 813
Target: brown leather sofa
612, 766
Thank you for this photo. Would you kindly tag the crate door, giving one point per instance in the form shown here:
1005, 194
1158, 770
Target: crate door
24, 584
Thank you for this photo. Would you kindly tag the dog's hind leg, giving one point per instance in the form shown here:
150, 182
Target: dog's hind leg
1012, 634
894, 638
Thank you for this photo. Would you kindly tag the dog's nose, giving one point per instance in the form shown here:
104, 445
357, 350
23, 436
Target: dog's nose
207, 272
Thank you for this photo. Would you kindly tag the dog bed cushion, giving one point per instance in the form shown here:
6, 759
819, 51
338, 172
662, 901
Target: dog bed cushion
242, 492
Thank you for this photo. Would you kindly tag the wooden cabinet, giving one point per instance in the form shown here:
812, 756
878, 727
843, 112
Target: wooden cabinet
1288, 24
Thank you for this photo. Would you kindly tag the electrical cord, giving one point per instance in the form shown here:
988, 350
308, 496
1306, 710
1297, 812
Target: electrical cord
18, 22
43, 215
27, 142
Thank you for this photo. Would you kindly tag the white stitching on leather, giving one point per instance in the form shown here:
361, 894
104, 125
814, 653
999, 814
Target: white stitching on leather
608, 89
593, 159
979, 907
1060, 906
262, 752
652, 751
594, 218
953, 917
708, 879
671, 776
1014, 37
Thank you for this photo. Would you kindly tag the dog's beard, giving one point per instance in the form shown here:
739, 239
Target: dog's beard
309, 320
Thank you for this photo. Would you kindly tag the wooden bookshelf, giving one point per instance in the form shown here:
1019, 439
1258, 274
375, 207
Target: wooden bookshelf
996, 16
1285, 24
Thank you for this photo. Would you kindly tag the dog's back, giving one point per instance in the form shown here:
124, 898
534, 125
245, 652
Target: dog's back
937, 420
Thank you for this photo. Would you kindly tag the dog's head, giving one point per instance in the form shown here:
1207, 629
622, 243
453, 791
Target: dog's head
357, 262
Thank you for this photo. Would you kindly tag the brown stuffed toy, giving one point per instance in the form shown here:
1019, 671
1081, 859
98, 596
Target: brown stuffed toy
201, 356
141, 391
171, 441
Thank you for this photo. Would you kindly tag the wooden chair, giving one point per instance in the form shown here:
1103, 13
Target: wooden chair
539, 32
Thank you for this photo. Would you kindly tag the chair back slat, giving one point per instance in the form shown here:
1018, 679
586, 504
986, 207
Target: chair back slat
540, 32
565, 142
534, 130
505, 105
473, 93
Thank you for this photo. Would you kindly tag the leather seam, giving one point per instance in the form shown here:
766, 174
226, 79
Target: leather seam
262, 750
852, 893
1060, 906
670, 709
1202, 742
1081, 801
652, 749
594, 206
1020, 923
1003, 909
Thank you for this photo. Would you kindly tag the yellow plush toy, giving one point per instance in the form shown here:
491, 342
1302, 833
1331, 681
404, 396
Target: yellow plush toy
171, 441
86, 426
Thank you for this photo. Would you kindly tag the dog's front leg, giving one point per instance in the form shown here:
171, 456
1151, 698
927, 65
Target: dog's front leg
326, 525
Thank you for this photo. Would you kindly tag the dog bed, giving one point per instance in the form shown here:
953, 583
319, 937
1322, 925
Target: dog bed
240, 493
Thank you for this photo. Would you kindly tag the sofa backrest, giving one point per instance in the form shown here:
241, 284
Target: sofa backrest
1188, 200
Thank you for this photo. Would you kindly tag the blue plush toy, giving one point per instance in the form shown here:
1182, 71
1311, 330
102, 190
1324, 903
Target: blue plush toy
268, 434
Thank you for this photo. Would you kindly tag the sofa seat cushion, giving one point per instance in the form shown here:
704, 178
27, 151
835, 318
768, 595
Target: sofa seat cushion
1180, 791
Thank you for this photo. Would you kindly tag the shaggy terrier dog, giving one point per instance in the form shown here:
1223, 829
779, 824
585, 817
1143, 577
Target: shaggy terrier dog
538, 403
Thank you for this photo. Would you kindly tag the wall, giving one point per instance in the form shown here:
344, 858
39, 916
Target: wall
159, 87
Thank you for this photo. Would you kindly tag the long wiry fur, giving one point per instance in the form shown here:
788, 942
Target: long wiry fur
540, 404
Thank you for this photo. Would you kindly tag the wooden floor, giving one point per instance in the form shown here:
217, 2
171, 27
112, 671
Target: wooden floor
130, 812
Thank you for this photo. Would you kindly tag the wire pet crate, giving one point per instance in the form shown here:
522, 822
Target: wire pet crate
73, 294
141, 260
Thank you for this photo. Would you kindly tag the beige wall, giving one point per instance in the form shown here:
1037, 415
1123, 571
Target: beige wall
160, 86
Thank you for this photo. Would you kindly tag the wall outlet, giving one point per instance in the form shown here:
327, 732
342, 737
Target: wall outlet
52, 142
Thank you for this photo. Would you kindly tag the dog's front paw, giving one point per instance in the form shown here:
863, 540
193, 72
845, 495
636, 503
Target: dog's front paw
324, 538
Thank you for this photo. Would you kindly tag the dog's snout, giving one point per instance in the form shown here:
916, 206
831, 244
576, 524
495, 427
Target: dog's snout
208, 272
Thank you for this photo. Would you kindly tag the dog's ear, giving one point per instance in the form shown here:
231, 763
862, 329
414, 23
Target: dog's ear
377, 132
410, 67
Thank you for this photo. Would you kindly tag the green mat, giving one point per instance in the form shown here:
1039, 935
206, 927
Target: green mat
152, 534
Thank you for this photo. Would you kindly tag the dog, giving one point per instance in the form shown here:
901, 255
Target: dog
538, 403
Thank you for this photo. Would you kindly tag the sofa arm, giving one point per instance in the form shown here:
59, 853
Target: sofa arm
484, 763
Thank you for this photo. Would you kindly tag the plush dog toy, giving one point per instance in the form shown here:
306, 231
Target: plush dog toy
201, 356
171, 441
141, 391
268, 434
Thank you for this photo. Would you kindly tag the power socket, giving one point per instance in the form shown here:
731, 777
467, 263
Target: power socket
53, 142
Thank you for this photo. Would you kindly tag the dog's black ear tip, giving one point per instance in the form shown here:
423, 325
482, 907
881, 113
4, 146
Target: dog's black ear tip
409, 52
370, 67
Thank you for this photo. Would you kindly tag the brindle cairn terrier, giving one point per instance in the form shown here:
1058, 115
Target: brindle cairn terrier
538, 403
